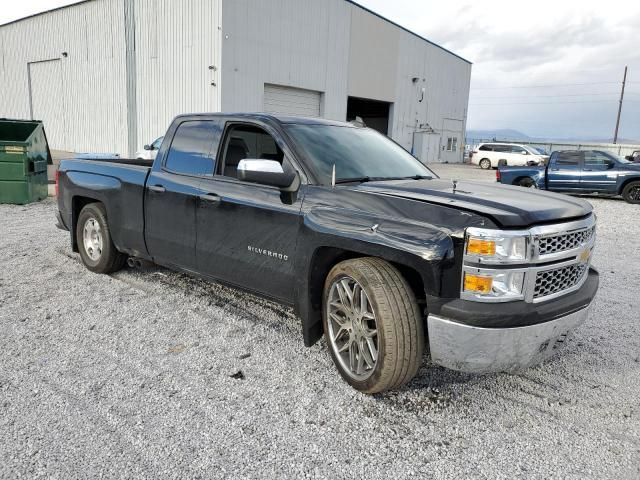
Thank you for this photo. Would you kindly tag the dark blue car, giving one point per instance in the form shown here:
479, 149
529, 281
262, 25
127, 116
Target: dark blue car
579, 171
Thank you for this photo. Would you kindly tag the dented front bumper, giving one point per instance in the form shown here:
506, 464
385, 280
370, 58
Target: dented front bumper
474, 349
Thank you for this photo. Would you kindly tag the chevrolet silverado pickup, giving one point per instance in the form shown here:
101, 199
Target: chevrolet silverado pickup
580, 172
369, 246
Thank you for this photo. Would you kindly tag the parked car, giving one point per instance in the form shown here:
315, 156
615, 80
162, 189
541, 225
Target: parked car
150, 151
492, 155
368, 245
634, 157
575, 171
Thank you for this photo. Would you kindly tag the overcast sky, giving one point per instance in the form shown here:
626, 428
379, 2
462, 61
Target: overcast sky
548, 68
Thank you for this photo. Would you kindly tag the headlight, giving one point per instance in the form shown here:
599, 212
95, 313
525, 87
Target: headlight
485, 248
492, 285
495, 246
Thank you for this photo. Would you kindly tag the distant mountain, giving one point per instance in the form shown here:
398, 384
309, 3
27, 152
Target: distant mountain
499, 134
507, 134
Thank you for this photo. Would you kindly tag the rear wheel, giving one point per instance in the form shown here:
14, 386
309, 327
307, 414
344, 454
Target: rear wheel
485, 164
527, 182
97, 250
631, 192
372, 325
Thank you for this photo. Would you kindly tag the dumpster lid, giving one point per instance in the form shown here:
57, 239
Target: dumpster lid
17, 131
13, 131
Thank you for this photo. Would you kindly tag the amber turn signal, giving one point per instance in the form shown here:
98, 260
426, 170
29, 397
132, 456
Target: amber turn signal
478, 246
477, 283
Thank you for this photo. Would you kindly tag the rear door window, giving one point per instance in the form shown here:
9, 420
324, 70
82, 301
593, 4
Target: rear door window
568, 159
194, 146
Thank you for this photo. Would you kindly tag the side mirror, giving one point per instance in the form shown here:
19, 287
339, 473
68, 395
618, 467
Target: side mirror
148, 147
610, 165
268, 172
629, 157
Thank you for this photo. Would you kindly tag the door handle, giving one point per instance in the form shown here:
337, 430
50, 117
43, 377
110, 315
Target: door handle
210, 197
157, 188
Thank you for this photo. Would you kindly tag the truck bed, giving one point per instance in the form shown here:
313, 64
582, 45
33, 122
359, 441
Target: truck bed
119, 184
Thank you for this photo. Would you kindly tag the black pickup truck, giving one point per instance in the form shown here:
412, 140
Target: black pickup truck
367, 244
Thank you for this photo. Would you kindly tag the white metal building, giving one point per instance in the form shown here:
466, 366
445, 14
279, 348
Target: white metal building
109, 75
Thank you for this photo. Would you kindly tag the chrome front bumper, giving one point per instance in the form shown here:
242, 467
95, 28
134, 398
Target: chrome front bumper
483, 350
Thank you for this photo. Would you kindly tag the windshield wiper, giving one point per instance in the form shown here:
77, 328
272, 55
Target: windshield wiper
418, 177
380, 179
353, 180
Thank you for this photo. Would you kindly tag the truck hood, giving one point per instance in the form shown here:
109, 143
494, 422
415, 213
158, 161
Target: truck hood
507, 206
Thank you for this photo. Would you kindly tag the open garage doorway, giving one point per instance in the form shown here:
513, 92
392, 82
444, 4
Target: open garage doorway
374, 113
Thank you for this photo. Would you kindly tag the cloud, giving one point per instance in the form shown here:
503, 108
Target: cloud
547, 42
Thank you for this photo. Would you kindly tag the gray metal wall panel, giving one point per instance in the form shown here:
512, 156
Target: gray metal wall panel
177, 41
297, 43
446, 80
373, 56
93, 77
249, 43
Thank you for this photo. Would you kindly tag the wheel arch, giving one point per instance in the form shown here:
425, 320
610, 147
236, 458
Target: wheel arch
323, 259
627, 182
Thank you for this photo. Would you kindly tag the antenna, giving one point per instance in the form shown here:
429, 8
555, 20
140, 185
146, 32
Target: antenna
333, 176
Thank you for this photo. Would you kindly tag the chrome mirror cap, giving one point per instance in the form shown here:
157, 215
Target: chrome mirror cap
260, 165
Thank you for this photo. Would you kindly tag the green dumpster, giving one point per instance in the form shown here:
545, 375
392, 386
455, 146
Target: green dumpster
24, 154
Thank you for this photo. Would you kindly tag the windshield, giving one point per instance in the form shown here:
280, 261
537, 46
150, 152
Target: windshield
538, 151
615, 157
359, 154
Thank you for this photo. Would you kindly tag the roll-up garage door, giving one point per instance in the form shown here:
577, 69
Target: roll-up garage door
291, 101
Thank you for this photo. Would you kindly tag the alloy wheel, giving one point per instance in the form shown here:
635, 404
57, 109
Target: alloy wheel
353, 332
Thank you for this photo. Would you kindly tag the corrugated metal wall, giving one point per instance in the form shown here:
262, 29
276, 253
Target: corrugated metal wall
178, 46
295, 43
133, 65
446, 80
92, 73
345, 51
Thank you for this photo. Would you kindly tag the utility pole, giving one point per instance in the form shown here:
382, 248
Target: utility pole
624, 81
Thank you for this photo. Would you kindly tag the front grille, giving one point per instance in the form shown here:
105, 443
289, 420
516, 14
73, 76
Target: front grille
557, 280
564, 241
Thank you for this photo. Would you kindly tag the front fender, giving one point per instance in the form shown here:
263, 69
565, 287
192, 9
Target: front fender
383, 237
427, 249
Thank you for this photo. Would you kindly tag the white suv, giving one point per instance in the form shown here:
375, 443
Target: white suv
492, 155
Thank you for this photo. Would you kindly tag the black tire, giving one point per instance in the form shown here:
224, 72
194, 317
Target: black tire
106, 259
485, 164
400, 334
631, 192
526, 182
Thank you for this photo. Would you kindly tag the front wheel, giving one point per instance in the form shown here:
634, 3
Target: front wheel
631, 192
485, 164
372, 325
97, 250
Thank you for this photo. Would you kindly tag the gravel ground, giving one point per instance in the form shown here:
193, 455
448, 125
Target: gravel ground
134, 375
